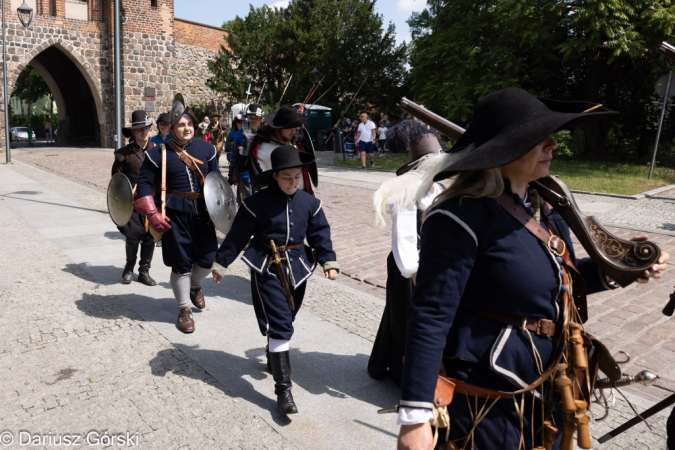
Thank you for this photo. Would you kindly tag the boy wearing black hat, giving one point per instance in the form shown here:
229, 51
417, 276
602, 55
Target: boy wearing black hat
279, 218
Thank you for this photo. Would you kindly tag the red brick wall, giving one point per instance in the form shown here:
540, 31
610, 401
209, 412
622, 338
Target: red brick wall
198, 35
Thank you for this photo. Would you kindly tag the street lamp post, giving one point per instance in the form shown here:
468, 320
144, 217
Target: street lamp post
25, 13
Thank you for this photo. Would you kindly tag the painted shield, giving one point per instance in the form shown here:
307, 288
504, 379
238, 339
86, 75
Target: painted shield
120, 199
308, 146
221, 202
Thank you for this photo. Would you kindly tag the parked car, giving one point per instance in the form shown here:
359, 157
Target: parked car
20, 134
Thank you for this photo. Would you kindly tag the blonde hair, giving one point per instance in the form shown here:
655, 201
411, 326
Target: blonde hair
473, 183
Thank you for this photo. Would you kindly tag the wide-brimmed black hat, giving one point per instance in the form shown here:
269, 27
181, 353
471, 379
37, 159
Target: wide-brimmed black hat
283, 157
139, 119
216, 114
254, 109
286, 117
509, 123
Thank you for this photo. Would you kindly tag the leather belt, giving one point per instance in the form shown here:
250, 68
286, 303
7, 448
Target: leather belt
541, 327
188, 195
282, 248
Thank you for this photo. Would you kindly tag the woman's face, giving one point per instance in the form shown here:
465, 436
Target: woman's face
288, 179
163, 128
533, 165
288, 133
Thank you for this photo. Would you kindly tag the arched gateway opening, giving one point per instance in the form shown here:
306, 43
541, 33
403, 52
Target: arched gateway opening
78, 110
78, 118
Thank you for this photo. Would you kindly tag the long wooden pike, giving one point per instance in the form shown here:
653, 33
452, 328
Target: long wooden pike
284, 93
261, 92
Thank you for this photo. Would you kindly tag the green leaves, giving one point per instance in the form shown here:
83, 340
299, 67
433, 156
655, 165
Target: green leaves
346, 41
595, 50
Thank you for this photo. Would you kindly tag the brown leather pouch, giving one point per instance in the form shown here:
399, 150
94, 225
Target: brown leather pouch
445, 389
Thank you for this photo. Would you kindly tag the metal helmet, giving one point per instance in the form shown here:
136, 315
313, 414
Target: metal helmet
178, 106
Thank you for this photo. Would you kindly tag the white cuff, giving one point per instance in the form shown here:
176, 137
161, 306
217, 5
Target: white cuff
413, 416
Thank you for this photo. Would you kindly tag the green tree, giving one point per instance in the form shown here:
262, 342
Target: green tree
31, 87
596, 50
346, 41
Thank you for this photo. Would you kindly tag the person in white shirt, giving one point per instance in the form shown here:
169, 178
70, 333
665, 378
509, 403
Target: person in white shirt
382, 137
365, 139
396, 198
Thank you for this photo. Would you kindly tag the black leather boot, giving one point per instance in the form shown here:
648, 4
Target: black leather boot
267, 356
281, 372
147, 250
128, 272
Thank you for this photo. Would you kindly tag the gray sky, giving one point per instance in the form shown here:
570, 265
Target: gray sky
216, 12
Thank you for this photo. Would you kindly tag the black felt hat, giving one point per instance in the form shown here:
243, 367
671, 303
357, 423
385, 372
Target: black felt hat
254, 109
139, 119
509, 123
283, 157
286, 117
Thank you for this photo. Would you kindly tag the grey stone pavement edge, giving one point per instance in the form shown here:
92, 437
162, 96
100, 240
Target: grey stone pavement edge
84, 356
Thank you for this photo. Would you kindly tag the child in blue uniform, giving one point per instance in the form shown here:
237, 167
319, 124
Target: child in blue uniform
287, 216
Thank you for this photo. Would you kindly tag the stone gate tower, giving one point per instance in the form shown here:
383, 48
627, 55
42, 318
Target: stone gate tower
70, 43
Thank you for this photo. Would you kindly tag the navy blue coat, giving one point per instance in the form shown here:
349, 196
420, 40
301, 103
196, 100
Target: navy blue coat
475, 256
270, 214
178, 176
192, 237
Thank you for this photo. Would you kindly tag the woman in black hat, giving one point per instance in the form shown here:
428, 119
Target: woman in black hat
286, 216
163, 129
279, 129
128, 160
490, 299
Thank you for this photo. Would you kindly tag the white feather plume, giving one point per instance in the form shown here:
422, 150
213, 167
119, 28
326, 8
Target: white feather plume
394, 195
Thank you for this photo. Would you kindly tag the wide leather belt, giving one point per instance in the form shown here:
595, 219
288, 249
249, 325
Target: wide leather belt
282, 248
188, 195
541, 327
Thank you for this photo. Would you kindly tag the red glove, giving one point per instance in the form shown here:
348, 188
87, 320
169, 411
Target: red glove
146, 205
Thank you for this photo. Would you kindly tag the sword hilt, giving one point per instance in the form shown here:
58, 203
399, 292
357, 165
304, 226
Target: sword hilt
645, 378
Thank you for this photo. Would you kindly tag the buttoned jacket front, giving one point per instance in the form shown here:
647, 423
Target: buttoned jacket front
288, 220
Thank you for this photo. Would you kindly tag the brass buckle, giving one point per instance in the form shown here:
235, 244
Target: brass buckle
554, 250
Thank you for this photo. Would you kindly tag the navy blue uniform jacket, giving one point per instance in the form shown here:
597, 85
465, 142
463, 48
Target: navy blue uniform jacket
288, 220
178, 176
475, 256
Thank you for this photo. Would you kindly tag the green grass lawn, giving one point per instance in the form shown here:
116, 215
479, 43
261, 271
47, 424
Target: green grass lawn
623, 179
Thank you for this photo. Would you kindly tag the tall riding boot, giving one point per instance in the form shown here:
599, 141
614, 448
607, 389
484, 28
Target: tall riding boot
281, 372
147, 249
128, 273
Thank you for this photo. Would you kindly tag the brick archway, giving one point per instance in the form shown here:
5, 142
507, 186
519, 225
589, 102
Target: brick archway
78, 60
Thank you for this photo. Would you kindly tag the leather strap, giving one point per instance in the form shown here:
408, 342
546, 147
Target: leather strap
552, 242
541, 327
188, 195
282, 248
189, 161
